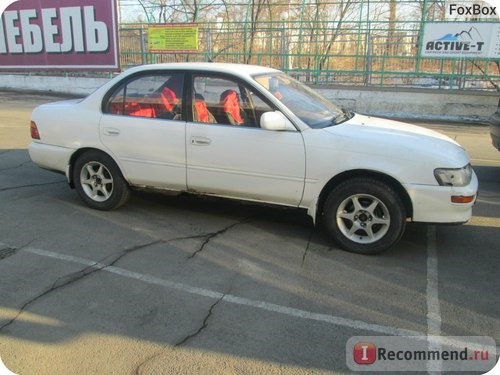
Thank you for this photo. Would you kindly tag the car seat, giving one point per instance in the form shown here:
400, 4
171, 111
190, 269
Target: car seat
169, 105
230, 105
201, 112
169, 99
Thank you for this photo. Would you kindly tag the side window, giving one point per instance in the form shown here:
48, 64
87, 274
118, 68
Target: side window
259, 106
151, 96
224, 101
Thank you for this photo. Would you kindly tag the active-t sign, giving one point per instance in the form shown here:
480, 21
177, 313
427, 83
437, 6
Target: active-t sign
461, 40
173, 38
54, 34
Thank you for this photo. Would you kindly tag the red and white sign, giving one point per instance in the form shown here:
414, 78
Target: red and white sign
365, 353
50, 34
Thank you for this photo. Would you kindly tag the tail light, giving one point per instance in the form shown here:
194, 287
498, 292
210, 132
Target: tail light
34, 131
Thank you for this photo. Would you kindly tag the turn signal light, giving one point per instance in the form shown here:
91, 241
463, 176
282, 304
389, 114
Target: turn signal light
34, 131
462, 199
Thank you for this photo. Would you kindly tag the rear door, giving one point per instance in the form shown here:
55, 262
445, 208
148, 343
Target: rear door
144, 128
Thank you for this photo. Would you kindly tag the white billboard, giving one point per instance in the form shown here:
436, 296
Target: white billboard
461, 40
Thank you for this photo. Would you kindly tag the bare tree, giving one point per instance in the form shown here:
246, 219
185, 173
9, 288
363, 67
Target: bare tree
391, 37
256, 9
180, 10
344, 7
324, 25
431, 11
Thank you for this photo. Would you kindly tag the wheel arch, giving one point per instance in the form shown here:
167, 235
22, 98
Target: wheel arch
80, 152
344, 176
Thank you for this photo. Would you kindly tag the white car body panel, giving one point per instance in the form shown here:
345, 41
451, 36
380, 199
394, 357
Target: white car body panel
150, 152
288, 168
356, 145
431, 204
51, 157
247, 163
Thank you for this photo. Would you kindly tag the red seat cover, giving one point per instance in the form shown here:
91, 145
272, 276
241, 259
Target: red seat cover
231, 105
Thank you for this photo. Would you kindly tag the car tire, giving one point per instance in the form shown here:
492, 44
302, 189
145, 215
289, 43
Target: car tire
364, 215
99, 181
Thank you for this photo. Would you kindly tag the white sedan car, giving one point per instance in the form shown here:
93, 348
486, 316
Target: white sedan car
254, 133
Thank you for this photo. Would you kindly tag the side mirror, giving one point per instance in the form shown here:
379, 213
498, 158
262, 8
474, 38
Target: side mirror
275, 121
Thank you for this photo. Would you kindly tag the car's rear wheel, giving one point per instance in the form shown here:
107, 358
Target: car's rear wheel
99, 182
364, 215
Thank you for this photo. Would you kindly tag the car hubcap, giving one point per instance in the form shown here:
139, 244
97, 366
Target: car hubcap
363, 218
96, 181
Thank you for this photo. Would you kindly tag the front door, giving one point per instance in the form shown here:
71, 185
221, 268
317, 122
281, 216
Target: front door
241, 160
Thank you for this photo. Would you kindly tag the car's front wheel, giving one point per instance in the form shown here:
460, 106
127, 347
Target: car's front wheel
99, 182
364, 215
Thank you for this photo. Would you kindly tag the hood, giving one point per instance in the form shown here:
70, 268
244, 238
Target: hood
387, 137
392, 127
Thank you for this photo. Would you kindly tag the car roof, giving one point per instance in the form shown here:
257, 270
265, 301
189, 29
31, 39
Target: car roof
235, 69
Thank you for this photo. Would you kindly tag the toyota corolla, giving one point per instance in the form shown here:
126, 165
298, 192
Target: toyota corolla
256, 134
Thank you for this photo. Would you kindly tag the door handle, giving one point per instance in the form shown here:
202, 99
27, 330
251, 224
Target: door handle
200, 141
111, 131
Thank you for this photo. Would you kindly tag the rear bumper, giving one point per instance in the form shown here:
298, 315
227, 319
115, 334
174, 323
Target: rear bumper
432, 204
50, 157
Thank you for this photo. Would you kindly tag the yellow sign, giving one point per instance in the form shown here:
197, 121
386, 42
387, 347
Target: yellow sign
173, 38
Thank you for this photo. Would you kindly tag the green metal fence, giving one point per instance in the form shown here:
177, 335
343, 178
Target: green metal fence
344, 42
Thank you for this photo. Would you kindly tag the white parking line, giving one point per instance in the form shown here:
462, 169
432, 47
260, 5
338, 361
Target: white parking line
232, 299
488, 201
434, 326
433, 309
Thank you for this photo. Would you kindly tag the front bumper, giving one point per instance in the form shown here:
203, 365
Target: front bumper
433, 204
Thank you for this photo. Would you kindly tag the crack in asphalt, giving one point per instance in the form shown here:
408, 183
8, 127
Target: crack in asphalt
132, 249
210, 236
17, 166
203, 325
32, 185
307, 247
97, 266
74, 277
193, 237
7, 252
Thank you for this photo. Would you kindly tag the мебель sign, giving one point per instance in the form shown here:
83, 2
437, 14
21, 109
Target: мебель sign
45, 34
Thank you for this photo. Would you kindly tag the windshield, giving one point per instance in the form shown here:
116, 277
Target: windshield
312, 108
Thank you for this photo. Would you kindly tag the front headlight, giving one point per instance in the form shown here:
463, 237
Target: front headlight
453, 176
